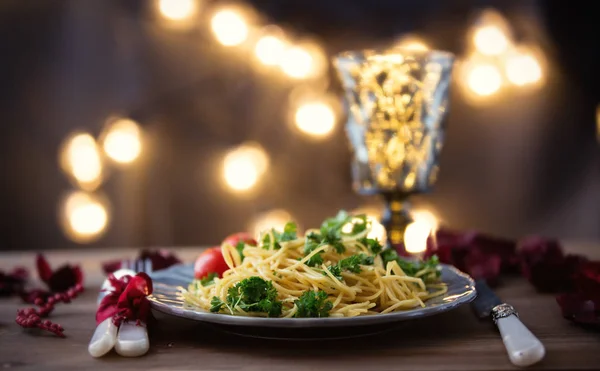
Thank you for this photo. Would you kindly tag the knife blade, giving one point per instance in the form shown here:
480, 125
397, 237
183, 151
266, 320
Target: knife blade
523, 348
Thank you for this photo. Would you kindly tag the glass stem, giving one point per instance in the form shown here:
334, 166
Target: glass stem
396, 216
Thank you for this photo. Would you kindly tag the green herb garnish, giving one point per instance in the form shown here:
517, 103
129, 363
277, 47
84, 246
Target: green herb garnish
351, 264
209, 279
331, 234
372, 244
313, 304
290, 233
252, 294
240, 249
411, 268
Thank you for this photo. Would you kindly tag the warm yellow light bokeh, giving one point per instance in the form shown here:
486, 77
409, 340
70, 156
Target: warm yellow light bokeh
484, 79
276, 218
303, 61
84, 216
412, 43
315, 118
229, 27
177, 10
415, 236
80, 158
270, 49
122, 140
490, 40
243, 167
523, 69
425, 216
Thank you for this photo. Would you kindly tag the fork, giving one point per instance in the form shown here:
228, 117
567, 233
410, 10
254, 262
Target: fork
131, 338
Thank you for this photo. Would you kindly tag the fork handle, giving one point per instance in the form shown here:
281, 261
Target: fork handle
524, 349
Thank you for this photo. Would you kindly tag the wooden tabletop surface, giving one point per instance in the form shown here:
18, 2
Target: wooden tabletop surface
452, 341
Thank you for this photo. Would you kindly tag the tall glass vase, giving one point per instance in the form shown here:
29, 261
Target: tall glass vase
398, 100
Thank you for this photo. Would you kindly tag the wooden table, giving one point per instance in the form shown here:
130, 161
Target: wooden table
451, 341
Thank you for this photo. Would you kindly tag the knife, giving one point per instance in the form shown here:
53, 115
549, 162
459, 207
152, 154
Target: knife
523, 348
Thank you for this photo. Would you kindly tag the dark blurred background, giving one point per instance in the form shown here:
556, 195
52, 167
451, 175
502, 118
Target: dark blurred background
525, 161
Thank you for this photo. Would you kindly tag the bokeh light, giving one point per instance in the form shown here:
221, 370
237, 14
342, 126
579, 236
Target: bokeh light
411, 42
315, 118
229, 27
483, 79
177, 10
84, 216
523, 68
425, 216
270, 49
243, 167
80, 158
303, 61
415, 236
122, 140
276, 218
373, 214
490, 40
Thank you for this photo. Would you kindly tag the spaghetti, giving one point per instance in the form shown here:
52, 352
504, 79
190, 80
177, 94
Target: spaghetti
347, 269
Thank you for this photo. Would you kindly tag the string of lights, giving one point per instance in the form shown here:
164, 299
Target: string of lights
492, 63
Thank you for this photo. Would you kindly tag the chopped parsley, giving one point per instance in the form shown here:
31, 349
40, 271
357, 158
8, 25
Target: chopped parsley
313, 241
209, 279
240, 249
373, 245
313, 304
411, 268
290, 233
331, 233
351, 264
252, 294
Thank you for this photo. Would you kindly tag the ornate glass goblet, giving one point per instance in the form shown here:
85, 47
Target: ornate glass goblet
398, 100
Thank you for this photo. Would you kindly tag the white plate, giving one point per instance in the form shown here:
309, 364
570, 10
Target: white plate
166, 299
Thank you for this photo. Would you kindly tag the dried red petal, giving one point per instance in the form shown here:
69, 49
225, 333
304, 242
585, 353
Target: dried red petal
544, 264
579, 308
587, 280
111, 266
64, 278
479, 255
127, 300
14, 282
482, 266
43, 268
160, 259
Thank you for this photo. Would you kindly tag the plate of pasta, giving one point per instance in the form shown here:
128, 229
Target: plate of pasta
332, 276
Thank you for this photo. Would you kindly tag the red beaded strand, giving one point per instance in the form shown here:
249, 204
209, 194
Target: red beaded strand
30, 318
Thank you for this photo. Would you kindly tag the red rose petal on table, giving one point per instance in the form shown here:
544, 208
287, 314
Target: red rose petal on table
64, 278
579, 308
43, 268
14, 282
161, 259
479, 255
483, 266
544, 264
111, 266
60, 280
587, 280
